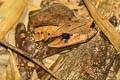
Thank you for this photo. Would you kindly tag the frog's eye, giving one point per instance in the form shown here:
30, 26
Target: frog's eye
48, 33
93, 24
65, 36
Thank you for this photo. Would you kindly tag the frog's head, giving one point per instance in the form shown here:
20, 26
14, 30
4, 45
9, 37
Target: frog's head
63, 36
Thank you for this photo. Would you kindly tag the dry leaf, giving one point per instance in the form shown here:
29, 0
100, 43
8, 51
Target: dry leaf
12, 70
4, 57
34, 5
9, 14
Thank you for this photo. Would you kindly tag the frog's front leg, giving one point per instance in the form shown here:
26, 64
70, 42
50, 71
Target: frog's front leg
20, 41
24, 42
20, 36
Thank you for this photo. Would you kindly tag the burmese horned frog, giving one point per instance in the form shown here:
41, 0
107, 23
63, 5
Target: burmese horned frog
54, 26
57, 21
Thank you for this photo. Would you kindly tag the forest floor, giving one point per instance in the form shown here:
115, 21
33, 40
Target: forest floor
98, 50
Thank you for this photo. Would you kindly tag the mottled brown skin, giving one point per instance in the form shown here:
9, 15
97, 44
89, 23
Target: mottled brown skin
55, 14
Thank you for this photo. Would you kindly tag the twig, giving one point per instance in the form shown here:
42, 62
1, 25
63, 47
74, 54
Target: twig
26, 55
55, 67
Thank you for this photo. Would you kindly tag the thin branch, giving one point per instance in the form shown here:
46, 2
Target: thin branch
26, 55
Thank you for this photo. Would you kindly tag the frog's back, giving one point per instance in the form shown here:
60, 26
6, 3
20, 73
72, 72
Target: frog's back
54, 14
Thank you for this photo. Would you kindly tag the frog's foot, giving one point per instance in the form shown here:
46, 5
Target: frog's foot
20, 35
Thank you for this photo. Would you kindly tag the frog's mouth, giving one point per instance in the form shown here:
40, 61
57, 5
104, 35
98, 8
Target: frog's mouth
75, 38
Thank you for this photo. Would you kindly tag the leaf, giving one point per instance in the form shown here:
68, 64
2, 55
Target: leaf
118, 75
58, 62
10, 12
32, 5
12, 70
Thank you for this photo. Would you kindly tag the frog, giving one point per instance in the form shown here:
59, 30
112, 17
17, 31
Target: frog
60, 20
54, 26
